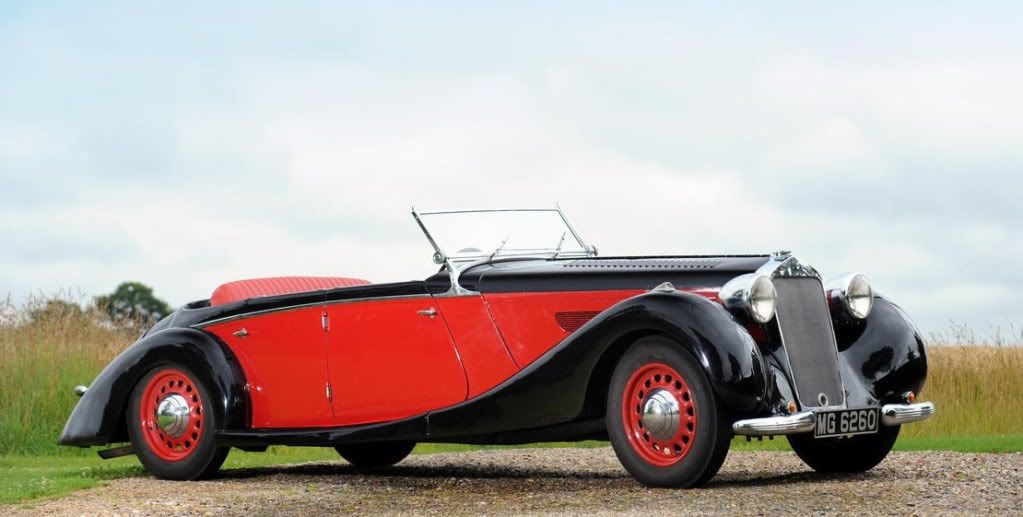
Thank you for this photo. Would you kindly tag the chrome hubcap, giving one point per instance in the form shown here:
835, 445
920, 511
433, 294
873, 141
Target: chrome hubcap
660, 415
172, 415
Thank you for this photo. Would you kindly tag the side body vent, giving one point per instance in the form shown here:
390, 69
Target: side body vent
571, 321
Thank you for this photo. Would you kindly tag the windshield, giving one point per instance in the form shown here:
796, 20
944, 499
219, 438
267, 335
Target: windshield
471, 235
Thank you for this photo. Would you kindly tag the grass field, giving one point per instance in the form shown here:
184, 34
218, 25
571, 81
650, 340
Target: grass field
976, 389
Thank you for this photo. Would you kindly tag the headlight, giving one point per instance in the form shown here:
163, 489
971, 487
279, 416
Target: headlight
762, 298
751, 294
853, 292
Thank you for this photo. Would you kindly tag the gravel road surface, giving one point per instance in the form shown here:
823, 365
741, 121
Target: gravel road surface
568, 481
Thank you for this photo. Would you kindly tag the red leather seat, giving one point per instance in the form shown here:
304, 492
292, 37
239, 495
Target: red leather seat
259, 287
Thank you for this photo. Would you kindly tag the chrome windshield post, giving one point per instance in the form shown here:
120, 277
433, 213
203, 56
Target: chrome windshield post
438, 255
591, 251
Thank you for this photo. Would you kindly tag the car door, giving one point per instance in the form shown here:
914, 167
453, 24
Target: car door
283, 354
391, 355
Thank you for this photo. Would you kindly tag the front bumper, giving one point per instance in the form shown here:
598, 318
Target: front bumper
805, 421
898, 414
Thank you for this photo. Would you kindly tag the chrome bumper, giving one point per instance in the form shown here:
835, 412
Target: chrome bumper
804, 422
898, 414
768, 426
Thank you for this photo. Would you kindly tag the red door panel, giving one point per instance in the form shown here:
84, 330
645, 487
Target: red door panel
486, 360
388, 362
284, 357
529, 322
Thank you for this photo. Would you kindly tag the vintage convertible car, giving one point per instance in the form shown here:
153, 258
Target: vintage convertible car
537, 339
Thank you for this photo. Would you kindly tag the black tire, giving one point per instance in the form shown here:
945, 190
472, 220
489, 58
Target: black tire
706, 451
376, 454
205, 457
844, 455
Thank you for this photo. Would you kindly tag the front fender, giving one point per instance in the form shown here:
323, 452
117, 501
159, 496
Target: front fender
881, 357
557, 387
724, 348
99, 416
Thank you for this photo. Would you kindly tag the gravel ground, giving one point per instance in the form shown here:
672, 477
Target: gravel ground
568, 481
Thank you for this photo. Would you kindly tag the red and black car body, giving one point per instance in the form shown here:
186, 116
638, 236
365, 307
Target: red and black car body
661, 355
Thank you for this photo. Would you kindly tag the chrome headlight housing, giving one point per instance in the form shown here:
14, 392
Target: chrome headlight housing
853, 293
752, 294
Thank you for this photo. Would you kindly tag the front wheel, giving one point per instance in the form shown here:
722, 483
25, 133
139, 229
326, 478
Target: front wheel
171, 427
375, 455
858, 453
662, 417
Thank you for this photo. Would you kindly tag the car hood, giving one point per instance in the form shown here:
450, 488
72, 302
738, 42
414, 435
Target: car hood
605, 273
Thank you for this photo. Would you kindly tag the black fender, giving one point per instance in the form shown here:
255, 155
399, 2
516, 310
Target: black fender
881, 357
99, 416
557, 387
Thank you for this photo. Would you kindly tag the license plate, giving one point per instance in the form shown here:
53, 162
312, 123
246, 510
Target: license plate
843, 422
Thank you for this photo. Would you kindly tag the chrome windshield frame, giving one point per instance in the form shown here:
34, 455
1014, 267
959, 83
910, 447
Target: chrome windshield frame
456, 264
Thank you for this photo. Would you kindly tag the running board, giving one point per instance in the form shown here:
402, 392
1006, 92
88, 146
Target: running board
116, 452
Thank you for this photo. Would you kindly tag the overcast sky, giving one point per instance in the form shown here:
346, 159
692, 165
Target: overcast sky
184, 144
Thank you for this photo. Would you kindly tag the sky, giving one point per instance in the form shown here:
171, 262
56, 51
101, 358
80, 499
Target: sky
186, 144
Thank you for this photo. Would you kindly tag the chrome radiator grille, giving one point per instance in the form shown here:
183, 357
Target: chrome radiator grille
809, 340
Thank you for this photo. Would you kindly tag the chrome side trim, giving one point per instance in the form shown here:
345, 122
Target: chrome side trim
256, 313
307, 305
775, 425
898, 414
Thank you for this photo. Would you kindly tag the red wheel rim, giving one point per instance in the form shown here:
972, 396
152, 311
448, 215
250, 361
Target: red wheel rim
655, 389
171, 415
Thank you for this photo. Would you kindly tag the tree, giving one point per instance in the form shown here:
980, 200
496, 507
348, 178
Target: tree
133, 303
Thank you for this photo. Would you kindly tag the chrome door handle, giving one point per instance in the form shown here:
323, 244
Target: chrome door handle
241, 333
430, 313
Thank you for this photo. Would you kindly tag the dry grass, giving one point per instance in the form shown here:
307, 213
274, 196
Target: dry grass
42, 359
977, 388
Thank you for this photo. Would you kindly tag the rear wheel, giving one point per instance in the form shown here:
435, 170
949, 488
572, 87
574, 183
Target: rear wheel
848, 454
375, 455
170, 428
662, 417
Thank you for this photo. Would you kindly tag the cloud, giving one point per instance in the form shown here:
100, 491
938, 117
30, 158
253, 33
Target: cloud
257, 143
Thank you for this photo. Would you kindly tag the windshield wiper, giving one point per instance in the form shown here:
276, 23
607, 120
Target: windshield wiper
561, 242
499, 248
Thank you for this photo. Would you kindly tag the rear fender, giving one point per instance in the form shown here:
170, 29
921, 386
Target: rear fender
99, 416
